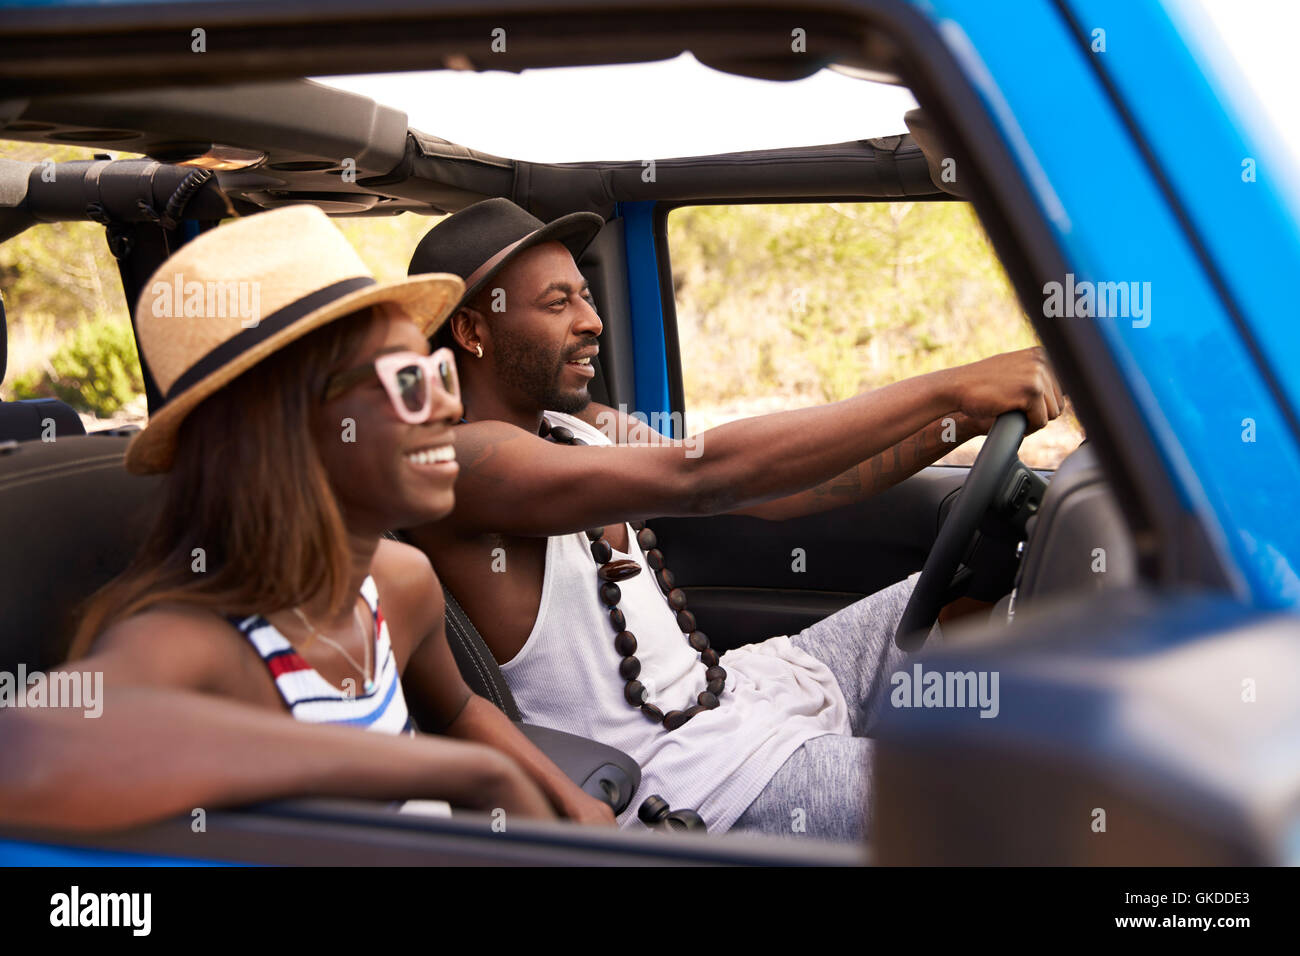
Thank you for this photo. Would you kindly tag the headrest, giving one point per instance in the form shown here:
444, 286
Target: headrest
71, 519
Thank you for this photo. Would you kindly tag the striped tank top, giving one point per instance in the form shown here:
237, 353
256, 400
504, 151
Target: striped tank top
313, 699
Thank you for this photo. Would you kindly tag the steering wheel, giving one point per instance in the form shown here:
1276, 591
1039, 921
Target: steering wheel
986, 477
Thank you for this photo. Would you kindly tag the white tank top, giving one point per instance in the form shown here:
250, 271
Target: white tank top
566, 677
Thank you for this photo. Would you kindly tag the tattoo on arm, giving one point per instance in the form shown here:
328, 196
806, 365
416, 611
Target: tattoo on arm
846, 485
479, 455
886, 469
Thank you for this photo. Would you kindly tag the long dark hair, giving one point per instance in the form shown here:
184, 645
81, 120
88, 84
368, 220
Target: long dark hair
248, 521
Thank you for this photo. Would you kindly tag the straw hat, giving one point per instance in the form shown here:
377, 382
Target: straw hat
236, 294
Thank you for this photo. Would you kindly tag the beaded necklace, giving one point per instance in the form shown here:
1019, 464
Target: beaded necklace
610, 572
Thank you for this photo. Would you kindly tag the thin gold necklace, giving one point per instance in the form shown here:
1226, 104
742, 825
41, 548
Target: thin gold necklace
368, 682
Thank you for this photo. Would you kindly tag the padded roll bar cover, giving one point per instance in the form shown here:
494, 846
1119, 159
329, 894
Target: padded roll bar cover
927, 138
14, 215
120, 187
14, 175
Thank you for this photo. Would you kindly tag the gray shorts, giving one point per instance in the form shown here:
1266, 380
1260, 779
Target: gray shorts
823, 789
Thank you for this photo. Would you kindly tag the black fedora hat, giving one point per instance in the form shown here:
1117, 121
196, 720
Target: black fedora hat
481, 240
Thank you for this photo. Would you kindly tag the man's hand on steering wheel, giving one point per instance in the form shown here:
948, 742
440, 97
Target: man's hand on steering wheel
1017, 393
1012, 381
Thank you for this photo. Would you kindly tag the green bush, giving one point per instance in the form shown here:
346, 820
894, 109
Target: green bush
95, 370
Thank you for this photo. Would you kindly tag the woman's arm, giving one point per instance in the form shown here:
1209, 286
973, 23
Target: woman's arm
429, 680
438, 696
181, 727
482, 721
158, 751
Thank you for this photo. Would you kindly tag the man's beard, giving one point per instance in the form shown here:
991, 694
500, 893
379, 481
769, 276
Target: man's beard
536, 374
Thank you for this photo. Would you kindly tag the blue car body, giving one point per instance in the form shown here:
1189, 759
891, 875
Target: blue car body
1135, 190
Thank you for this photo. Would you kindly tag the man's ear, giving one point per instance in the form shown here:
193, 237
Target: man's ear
468, 327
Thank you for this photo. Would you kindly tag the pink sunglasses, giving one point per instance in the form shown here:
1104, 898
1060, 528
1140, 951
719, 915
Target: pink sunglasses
408, 378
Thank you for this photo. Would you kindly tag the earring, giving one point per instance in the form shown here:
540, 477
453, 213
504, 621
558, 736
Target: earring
480, 349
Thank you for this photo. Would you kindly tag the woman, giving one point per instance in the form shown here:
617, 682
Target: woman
292, 440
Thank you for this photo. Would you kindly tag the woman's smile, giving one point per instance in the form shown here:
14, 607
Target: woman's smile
434, 459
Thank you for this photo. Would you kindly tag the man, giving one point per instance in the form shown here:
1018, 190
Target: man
767, 729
